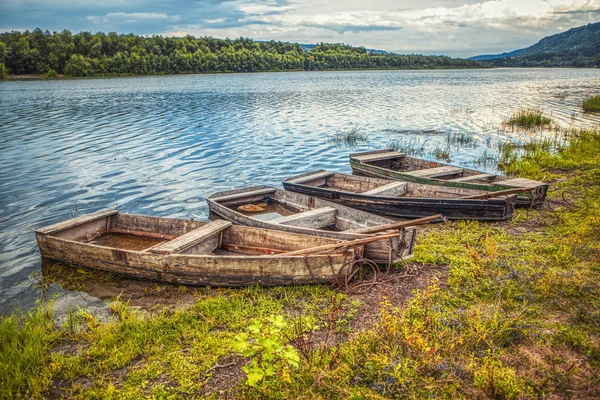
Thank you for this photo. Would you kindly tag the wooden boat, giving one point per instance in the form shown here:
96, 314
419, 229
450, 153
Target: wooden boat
401, 199
298, 213
389, 164
193, 253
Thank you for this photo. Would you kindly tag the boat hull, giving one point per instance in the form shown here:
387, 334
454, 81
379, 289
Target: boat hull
364, 169
200, 269
497, 209
381, 252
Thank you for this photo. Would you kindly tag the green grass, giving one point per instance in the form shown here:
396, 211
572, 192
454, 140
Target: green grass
349, 137
592, 104
529, 119
518, 316
409, 147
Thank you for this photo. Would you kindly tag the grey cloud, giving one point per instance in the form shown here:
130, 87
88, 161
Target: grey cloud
341, 29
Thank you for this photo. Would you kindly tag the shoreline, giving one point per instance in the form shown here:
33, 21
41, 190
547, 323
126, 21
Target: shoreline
28, 77
40, 77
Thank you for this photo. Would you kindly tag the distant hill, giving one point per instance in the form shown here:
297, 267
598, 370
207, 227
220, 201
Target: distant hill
577, 47
309, 47
486, 57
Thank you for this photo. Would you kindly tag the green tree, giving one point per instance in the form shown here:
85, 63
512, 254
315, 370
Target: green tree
77, 66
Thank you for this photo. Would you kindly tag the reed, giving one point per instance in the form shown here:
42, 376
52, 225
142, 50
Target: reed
591, 104
348, 137
409, 147
529, 119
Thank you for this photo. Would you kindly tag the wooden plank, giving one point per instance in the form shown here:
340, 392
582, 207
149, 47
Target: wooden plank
315, 218
152, 235
471, 178
251, 250
519, 182
61, 226
311, 177
435, 172
378, 156
390, 189
243, 194
192, 238
400, 225
489, 195
342, 245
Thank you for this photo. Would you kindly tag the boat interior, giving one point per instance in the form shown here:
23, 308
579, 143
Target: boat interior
292, 209
109, 228
395, 161
379, 187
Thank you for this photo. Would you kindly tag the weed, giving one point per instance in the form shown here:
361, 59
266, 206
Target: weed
349, 138
410, 147
270, 356
529, 119
591, 104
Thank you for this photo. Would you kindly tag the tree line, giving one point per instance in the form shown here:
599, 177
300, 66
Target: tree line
87, 54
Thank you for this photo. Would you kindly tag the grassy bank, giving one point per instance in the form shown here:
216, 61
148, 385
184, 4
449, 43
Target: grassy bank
591, 104
504, 310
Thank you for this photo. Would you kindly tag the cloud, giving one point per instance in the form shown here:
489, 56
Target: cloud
453, 27
132, 17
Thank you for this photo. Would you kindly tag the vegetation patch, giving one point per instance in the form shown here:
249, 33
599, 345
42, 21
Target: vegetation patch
592, 104
349, 137
109, 54
529, 119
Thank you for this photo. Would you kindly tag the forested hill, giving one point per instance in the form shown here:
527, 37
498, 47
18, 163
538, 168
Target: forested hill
86, 54
577, 47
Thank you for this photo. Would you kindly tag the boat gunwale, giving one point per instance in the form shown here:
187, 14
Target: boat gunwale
298, 228
404, 199
178, 255
399, 175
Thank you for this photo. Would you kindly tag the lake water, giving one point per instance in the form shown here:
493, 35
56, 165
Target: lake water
159, 145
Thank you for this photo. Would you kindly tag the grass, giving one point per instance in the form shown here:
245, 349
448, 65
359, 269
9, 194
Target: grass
591, 104
529, 119
349, 138
460, 140
518, 316
410, 147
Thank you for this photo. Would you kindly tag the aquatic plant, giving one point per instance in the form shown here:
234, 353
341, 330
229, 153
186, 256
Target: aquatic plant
348, 137
529, 119
442, 154
410, 147
460, 140
591, 104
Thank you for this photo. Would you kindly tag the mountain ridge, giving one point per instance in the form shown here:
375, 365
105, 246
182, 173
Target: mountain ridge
576, 47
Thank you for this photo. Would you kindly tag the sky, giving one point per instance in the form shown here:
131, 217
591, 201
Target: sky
459, 28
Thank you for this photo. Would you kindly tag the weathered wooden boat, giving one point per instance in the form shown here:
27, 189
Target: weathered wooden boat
193, 253
390, 164
297, 213
401, 199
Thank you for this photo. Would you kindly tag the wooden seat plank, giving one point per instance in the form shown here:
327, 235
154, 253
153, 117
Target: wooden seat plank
243, 194
519, 182
61, 226
315, 218
390, 189
436, 172
378, 156
311, 177
471, 178
191, 238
